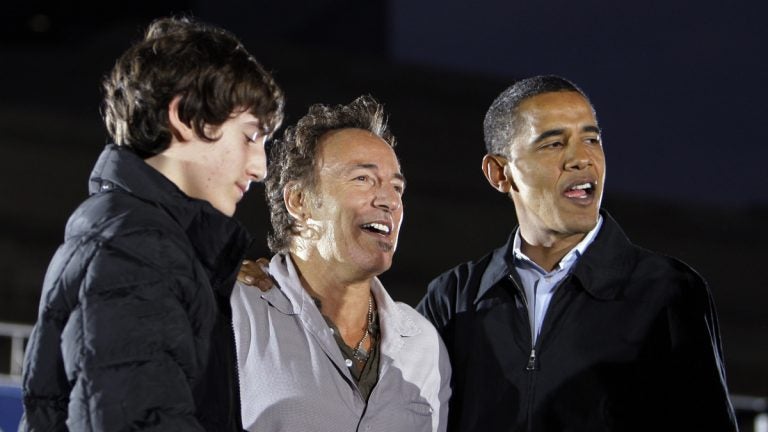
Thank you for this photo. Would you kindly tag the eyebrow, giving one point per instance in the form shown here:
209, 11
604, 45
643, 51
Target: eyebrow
549, 133
557, 132
591, 128
397, 175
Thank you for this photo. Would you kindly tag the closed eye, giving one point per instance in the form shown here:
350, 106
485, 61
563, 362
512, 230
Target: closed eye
253, 138
555, 144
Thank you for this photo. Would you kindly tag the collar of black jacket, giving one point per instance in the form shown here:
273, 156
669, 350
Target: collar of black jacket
600, 271
219, 241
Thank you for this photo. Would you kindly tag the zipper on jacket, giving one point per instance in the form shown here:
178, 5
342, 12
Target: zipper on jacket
531, 365
556, 298
531, 361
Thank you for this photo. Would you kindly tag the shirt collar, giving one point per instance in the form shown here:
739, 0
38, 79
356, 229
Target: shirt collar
500, 263
567, 262
284, 271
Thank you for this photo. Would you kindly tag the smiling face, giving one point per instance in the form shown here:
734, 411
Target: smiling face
220, 172
356, 206
556, 166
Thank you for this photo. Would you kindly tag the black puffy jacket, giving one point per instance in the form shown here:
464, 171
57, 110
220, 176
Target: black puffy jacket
134, 328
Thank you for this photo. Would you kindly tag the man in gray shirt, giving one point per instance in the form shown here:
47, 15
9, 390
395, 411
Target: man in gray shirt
327, 349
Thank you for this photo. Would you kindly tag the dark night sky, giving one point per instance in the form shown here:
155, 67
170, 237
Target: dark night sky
678, 85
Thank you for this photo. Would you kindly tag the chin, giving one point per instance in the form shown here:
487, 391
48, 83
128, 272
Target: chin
377, 266
582, 225
227, 209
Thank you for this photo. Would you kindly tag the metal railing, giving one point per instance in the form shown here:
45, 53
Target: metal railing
18, 333
753, 408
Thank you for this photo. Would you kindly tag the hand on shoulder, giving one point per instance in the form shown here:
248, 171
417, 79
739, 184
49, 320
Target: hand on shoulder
253, 273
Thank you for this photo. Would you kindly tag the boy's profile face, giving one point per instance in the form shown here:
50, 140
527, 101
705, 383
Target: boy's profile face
221, 171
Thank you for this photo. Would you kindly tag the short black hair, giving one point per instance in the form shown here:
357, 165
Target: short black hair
501, 120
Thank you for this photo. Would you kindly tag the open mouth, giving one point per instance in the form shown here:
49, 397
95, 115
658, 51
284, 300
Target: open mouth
581, 190
377, 228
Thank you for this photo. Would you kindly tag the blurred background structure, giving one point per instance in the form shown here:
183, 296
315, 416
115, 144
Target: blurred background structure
679, 89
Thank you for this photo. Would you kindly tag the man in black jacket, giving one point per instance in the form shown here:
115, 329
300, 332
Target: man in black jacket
569, 326
134, 329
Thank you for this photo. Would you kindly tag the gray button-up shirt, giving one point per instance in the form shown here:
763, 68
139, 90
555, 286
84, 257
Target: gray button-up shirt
293, 376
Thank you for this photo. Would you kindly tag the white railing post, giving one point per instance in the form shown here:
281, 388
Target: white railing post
17, 355
761, 423
756, 408
18, 333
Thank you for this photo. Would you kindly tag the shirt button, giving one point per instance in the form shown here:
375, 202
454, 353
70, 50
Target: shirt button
332, 331
348, 362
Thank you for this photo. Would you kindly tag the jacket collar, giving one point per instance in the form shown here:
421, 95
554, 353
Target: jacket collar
600, 271
607, 264
219, 241
499, 267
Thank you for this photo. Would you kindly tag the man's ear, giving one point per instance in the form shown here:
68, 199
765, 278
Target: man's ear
495, 171
180, 130
294, 198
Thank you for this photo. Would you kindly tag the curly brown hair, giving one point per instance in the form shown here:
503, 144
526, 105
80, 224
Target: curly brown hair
292, 158
206, 66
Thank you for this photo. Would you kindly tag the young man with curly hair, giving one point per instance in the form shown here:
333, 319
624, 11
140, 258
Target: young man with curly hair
134, 328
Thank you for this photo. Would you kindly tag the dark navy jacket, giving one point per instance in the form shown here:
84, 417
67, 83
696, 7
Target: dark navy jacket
630, 342
134, 329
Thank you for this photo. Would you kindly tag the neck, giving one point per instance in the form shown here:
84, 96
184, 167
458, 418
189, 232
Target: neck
343, 300
547, 251
170, 167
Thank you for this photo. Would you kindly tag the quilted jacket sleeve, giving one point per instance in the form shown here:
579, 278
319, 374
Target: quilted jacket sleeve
114, 347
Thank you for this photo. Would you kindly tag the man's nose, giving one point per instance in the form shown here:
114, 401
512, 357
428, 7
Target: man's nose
388, 198
578, 156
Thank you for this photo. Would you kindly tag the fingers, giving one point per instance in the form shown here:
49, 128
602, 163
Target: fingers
245, 274
264, 284
253, 273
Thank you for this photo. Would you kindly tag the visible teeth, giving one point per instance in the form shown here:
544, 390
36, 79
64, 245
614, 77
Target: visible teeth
583, 186
377, 227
